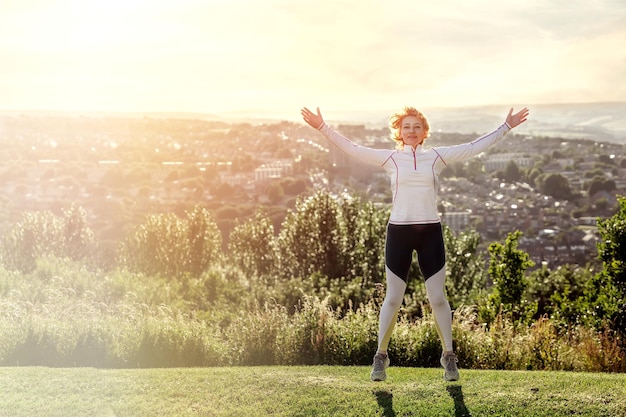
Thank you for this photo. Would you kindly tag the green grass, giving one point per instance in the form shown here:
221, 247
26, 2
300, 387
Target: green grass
305, 391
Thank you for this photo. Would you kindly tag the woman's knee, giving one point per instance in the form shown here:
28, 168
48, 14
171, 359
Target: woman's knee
437, 300
394, 300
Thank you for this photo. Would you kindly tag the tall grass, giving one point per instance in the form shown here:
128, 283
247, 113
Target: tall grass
137, 336
65, 315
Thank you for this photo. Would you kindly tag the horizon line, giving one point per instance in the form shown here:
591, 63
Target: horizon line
274, 111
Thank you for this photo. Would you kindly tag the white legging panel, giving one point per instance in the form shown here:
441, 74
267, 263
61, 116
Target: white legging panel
435, 290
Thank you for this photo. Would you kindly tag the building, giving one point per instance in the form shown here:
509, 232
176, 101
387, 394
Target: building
499, 161
275, 169
457, 220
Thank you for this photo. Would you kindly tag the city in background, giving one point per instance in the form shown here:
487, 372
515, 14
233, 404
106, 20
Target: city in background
550, 180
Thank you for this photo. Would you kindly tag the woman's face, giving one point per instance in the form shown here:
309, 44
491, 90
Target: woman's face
412, 131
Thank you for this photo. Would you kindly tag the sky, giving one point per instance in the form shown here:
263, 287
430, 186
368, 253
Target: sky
275, 56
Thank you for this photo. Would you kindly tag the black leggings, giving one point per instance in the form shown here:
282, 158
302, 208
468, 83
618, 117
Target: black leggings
425, 239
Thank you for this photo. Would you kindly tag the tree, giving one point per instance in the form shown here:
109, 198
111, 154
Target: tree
555, 185
533, 174
170, 246
36, 235
77, 236
596, 173
310, 240
606, 159
339, 237
244, 163
556, 291
507, 268
251, 245
464, 268
295, 186
605, 294
512, 172
41, 233
275, 192
364, 230
602, 204
598, 184
332, 246
223, 190
203, 241
474, 169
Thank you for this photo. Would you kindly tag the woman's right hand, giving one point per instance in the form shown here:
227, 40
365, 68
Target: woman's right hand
314, 120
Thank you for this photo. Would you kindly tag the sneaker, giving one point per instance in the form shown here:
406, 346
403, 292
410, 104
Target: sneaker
451, 372
381, 362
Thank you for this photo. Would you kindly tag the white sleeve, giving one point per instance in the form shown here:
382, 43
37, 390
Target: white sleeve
471, 149
364, 154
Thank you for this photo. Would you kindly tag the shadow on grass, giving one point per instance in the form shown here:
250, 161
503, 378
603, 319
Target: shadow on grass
385, 401
460, 409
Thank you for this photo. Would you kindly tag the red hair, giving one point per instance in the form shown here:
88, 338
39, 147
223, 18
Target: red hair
395, 121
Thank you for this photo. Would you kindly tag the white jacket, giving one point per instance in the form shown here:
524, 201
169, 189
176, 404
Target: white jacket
414, 173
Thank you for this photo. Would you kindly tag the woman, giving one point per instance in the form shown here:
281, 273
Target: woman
414, 223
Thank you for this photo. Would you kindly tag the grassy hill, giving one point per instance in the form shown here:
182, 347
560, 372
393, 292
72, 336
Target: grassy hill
306, 391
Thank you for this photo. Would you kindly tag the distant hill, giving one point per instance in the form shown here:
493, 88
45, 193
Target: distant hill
603, 122
597, 121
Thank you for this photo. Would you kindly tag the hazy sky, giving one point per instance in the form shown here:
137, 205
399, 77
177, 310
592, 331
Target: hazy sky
277, 55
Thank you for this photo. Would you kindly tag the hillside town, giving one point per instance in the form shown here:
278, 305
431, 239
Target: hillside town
120, 168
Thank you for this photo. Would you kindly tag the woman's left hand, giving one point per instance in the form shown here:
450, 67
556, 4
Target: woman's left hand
517, 118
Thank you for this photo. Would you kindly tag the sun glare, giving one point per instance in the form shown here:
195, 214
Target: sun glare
213, 56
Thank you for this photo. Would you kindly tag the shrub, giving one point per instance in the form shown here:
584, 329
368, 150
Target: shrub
304, 340
40, 234
170, 246
415, 343
254, 338
507, 267
251, 246
352, 339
